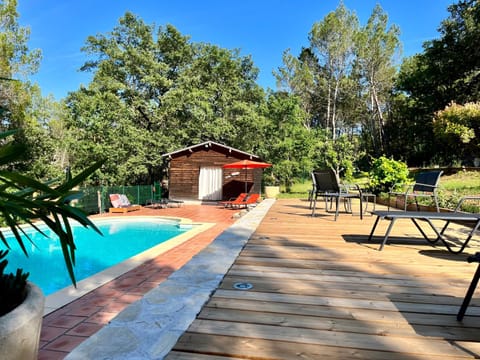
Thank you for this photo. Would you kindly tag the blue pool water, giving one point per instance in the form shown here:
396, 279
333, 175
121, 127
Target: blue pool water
121, 240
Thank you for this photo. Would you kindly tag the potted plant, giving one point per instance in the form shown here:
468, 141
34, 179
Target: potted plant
271, 185
27, 202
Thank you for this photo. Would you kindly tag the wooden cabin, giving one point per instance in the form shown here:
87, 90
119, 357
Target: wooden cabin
196, 173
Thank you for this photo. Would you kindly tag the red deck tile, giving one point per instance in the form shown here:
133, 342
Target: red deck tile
144, 288
84, 329
52, 355
117, 306
50, 333
66, 321
102, 317
129, 298
65, 343
83, 309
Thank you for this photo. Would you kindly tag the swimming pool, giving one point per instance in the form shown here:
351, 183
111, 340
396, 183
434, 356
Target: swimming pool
122, 238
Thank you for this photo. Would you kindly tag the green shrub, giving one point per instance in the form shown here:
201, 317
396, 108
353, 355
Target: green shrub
385, 173
448, 200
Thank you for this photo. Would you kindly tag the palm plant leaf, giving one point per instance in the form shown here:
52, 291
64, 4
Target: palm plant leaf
26, 200
10, 152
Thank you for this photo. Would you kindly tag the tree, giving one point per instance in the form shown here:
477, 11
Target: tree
447, 71
456, 127
96, 121
301, 76
386, 173
17, 94
216, 98
287, 144
443, 73
118, 113
321, 74
332, 42
338, 155
375, 49
152, 94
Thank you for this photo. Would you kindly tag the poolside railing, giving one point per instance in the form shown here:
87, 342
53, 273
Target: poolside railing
95, 199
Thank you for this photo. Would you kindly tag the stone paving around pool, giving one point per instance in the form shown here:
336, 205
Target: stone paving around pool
150, 327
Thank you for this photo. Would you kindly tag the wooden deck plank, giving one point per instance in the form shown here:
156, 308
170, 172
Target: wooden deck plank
349, 302
382, 274
427, 346
394, 280
395, 318
254, 348
344, 325
176, 355
357, 290
320, 290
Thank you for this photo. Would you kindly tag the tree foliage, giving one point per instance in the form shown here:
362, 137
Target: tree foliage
287, 143
17, 94
376, 46
457, 128
153, 92
339, 154
449, 68
332, 41
344, 80
447, 71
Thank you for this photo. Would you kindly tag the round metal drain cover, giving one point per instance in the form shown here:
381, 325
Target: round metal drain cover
242, 286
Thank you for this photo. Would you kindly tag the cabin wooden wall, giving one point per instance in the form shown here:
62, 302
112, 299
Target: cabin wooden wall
185, 170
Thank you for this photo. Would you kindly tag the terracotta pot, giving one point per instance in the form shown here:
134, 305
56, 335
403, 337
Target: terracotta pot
20, 328
271, 192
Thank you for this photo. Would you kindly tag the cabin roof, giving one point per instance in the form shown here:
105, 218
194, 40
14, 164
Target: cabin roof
209, 144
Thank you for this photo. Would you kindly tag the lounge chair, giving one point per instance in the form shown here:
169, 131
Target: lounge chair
234, 201
471, 288
164, 203
250, 199
121, 204
327, 185
426, 184
428, 216
172, 202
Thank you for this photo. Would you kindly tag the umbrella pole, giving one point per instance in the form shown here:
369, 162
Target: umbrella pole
246, 178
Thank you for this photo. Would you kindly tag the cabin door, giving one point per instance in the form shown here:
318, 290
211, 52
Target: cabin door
210, 183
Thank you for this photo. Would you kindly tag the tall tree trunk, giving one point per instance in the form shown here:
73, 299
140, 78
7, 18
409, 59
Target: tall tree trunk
334, 112
381, 122
329, 102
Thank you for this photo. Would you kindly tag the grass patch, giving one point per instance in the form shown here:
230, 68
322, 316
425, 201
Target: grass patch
463, 182
298, 191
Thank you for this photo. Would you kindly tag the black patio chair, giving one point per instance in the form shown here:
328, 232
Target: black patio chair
311, 192
426, 185
327, 185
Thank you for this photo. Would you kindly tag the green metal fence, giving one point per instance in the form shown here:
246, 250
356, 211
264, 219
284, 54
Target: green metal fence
96, 199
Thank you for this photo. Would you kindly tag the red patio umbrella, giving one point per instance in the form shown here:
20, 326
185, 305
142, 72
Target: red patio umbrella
246, 164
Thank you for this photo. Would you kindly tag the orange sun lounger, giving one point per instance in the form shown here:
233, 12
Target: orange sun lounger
250, 199
231, 203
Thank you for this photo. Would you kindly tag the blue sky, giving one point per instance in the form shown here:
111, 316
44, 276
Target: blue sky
260, 28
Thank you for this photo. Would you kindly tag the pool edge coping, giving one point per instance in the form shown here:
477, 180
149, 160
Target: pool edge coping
69, 294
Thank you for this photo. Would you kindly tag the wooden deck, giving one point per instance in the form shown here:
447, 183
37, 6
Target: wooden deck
320, 290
